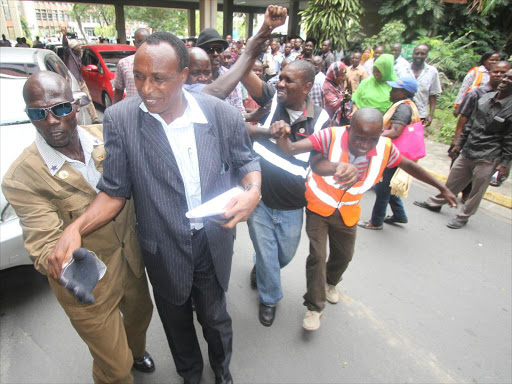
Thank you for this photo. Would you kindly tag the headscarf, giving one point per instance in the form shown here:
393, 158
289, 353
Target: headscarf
334, 94
372, 93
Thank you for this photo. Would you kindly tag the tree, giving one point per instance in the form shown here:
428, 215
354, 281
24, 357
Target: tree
160, 19
390, 34
421, 17
26, 29
79, 12
331, 20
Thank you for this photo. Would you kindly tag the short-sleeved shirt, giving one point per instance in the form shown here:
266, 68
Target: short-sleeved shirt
283, 183
321, 141
399, 64
355, 76
124, 76
428, 85
403, 114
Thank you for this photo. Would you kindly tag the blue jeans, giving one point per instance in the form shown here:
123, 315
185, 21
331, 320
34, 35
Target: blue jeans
384, 196
275, 235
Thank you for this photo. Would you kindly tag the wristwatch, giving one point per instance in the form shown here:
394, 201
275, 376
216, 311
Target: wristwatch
250, 185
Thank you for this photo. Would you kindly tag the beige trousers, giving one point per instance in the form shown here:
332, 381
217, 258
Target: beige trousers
114, 327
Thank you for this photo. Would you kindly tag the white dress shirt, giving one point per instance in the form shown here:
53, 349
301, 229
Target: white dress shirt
182, 139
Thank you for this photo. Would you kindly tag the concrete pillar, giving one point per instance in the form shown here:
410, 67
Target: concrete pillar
227, 20
249, 25
191, 22
207, 14
15, 17
294, 19
120, 25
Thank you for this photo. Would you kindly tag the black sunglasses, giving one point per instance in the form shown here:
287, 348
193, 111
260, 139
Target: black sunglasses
59, 110
210, 50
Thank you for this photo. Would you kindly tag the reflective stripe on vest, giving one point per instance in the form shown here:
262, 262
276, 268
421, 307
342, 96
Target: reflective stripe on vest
278, 161
324, 196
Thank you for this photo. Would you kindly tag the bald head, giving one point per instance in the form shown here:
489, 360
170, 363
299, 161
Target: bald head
140, 37
46, 85
365, 130
200, 68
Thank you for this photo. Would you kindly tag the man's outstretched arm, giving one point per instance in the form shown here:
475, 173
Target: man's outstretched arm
419, 173
101, 211
275, 16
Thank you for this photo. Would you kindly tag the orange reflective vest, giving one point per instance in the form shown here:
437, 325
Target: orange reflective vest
322, 194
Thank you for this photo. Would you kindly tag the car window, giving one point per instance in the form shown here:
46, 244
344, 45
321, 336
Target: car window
18, 69
91, 58
111, 58
56, 65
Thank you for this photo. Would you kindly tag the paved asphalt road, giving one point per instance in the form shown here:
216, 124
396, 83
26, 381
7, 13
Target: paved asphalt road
421, 304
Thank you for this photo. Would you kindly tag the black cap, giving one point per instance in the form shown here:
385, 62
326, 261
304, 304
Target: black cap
210, 35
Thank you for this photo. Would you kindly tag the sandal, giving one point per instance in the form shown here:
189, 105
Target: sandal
369, 225
393, 220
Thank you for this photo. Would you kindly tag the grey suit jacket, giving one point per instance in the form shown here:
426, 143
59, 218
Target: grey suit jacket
140, 162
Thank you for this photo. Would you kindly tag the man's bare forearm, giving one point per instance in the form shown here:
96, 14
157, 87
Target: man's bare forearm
321, 166
420, 173
101, 211
222, 87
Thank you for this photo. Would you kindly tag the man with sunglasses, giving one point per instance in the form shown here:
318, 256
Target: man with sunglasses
50, 185
210, 41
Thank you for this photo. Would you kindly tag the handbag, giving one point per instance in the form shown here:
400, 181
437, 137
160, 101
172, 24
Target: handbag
400, 183
411, 142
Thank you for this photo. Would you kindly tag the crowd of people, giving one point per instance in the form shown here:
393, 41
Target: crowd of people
298, 130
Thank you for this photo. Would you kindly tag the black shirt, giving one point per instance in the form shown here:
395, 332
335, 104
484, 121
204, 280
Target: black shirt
488, 133
284, 177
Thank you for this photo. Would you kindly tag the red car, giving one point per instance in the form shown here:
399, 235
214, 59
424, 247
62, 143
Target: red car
99, 63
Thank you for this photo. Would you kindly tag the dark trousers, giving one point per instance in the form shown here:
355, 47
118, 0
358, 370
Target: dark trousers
342, 240
210, 303
384, 197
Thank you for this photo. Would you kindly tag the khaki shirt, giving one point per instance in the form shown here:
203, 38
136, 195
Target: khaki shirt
355, 76
47, 204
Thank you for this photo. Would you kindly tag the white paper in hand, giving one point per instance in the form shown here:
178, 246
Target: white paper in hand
215, 206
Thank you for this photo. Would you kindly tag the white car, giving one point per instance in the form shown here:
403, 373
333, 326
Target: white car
17, 132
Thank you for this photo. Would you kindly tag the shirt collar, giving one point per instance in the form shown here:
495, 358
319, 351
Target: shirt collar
193, 113
54, 159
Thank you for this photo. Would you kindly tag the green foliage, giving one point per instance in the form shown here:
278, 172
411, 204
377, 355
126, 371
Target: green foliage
452, 57
443, 126
160, 19
331, 19
421, 17
108, 31
79, 12
26, 29
390, 34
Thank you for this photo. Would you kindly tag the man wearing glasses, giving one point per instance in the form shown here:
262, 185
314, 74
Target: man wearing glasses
210, 41
50, 185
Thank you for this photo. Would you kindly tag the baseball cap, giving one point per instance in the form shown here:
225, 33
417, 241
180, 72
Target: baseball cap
408, 83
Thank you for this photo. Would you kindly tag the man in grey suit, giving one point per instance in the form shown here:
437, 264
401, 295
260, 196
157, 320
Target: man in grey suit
173, 150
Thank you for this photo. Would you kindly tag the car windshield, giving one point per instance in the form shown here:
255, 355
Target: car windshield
12, 107
111, 58
10, 70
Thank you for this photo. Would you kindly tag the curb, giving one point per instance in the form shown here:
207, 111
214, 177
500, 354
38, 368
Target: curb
497, 198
